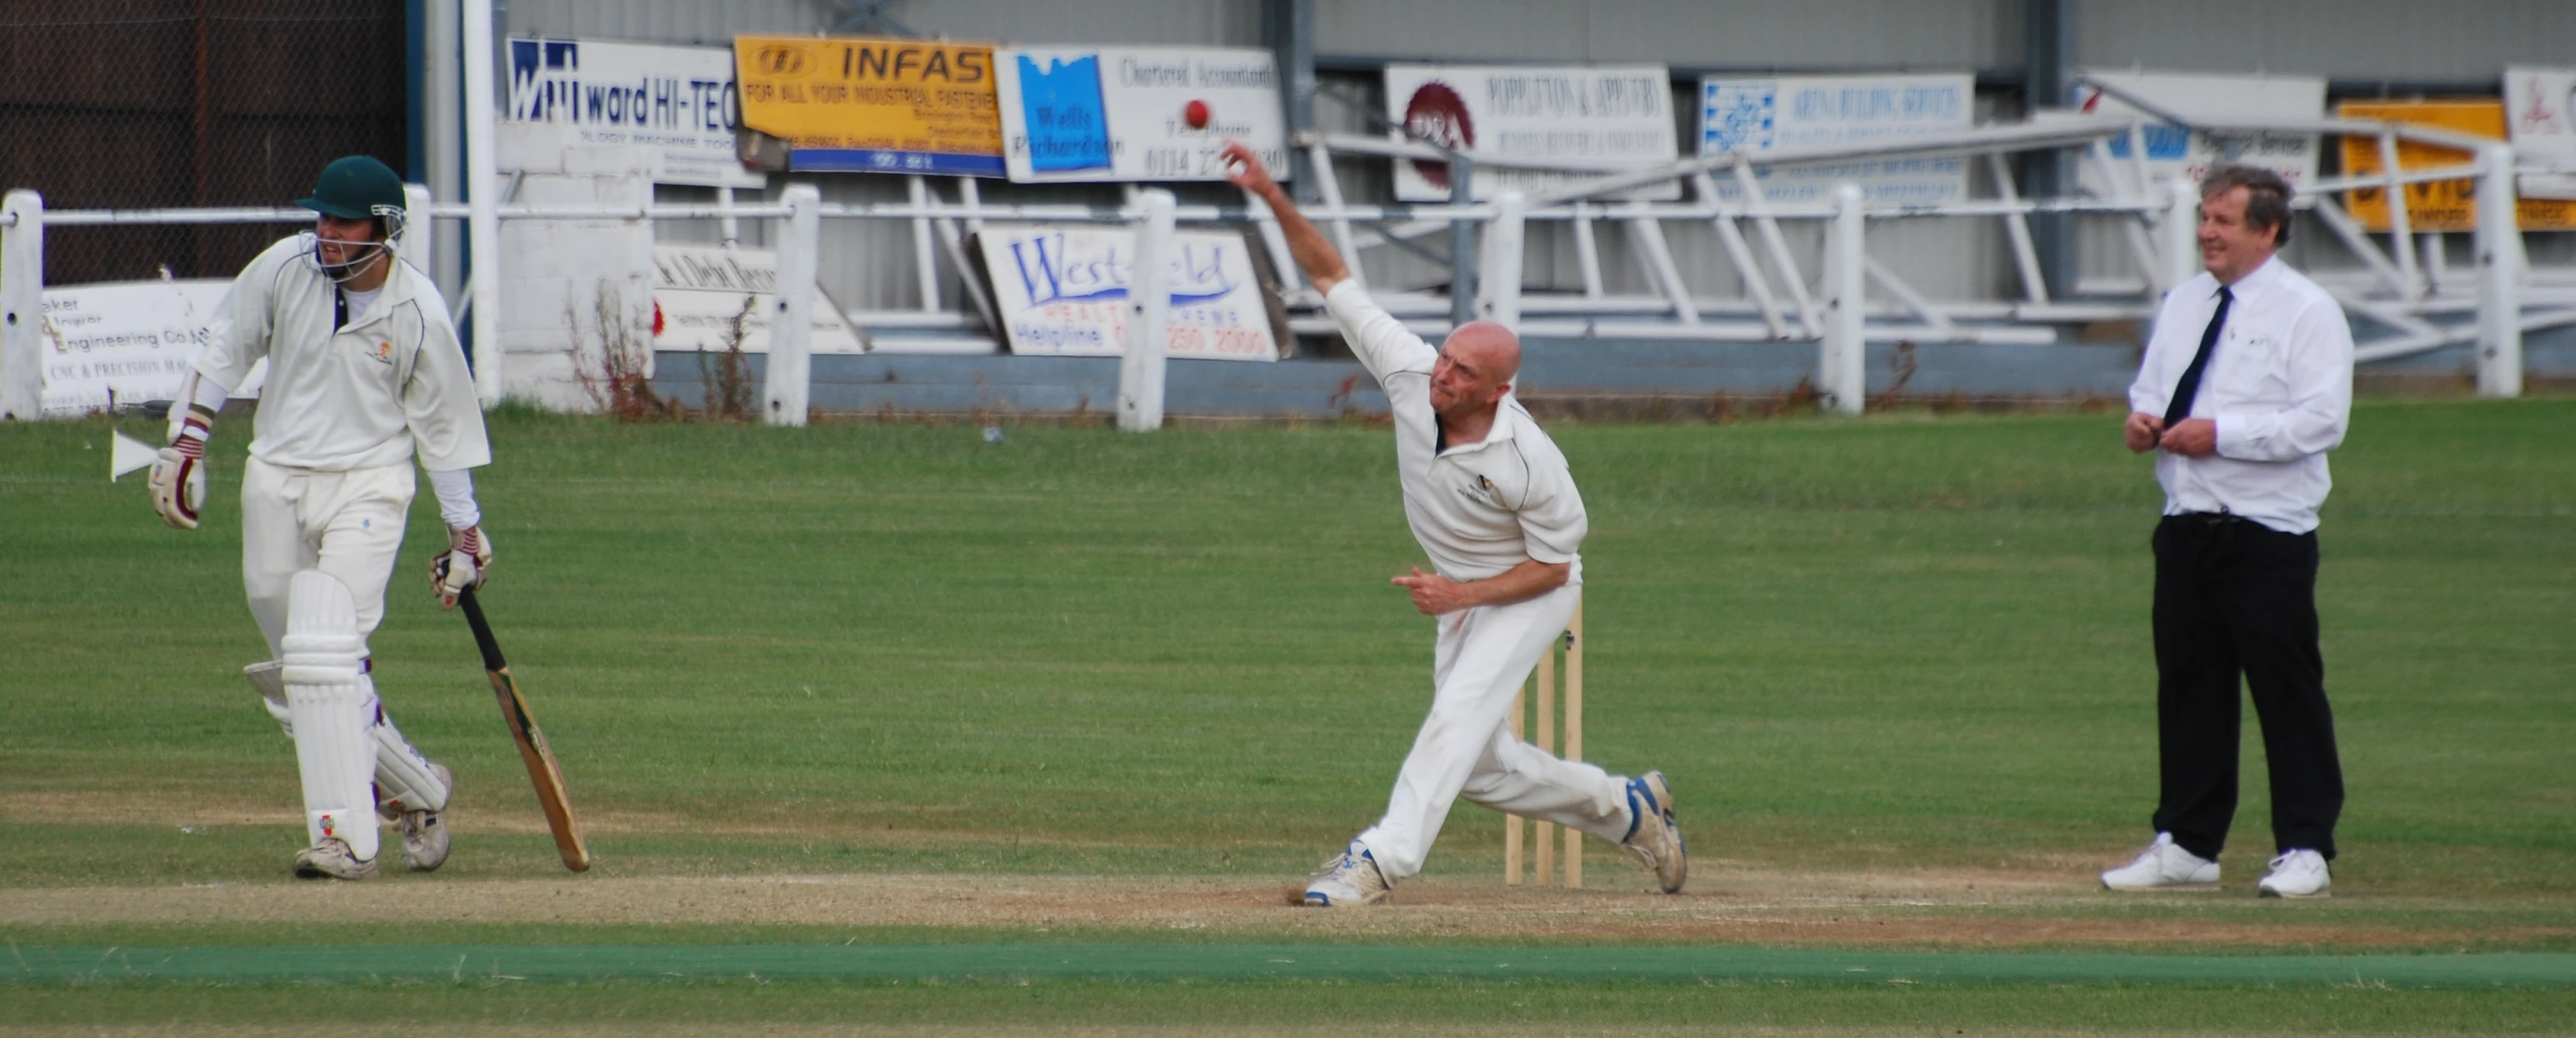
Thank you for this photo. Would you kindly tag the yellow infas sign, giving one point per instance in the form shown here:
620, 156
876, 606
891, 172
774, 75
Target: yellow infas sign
872, 105
2435, 205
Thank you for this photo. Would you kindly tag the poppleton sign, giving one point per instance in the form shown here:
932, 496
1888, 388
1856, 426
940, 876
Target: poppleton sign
872, 105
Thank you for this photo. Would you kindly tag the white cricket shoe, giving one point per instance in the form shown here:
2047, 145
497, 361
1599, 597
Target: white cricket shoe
1653, 836
424, 832
2296, 873
1349, 881
2164, 866
332, 859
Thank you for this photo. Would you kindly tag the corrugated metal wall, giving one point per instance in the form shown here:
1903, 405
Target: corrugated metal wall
2362, 41
1811, 34
2354, 42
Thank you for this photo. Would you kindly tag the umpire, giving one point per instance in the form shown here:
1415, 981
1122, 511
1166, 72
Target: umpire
2246, 384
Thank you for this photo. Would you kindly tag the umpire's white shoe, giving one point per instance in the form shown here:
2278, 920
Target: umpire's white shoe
2296, 873
2164, 865
424, 832
332, 859
1653, 836
1349, 881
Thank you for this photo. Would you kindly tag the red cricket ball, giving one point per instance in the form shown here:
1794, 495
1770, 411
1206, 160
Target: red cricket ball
1195, 113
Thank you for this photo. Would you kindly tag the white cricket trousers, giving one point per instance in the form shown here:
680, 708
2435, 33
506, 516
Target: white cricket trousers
347, 524
1466, 746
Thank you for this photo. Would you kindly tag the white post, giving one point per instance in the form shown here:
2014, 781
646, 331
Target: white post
483, 193
1841, 381
1787, 267
2034, 286
22, 306
2401, 234
2499, 278
1647, 234
1329, 188
731, 224
1149, 302
420, 233
1587, 252
2181, 229
924, 260
786, 390
1499, 292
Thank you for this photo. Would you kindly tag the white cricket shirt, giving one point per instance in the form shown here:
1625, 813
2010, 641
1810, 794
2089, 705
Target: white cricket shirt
2278, 386
1478, 509
391, 384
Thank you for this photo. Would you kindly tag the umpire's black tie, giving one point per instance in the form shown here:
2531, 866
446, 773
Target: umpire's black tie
2189, 387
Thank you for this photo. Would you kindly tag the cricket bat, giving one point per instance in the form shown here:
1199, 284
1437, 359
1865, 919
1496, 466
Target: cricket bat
543, 772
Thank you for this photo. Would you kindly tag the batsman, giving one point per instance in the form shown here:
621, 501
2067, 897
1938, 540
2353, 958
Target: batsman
364, 376
1490, 500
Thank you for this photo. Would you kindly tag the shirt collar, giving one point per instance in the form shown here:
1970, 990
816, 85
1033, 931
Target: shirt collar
2253, 281
1508, 416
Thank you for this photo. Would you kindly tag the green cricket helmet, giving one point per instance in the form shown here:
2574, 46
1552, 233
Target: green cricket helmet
358, 187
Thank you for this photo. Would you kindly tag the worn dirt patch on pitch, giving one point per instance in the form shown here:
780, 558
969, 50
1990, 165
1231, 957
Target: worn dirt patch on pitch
1728, 904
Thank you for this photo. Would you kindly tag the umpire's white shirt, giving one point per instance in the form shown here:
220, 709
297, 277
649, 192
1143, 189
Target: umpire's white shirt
2278, 386
391, 383
1480, 508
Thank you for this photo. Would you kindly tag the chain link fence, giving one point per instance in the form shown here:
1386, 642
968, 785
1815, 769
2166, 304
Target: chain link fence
153, 104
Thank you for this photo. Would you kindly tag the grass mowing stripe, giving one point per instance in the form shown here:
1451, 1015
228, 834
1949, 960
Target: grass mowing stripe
1256, 962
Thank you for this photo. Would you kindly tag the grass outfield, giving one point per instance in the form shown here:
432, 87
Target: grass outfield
1888, 649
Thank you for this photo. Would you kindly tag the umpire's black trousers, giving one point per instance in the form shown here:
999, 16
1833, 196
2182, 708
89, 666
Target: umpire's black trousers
2235, 597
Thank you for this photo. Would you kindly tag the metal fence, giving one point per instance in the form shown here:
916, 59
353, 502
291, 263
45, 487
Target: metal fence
2501, 299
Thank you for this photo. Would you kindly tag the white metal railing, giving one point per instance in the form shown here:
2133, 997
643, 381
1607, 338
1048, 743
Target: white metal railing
1777, 304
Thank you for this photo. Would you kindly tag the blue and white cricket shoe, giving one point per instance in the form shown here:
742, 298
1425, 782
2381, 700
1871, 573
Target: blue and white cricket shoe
1349, 881
1653, 836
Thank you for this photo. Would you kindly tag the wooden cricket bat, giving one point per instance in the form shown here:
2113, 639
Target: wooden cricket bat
543, 772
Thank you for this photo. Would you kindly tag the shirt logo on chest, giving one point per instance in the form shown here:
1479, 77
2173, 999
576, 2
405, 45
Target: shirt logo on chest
1481, 492
383, 353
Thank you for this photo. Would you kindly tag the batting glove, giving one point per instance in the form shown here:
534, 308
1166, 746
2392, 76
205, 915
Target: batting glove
179, 476
466, 563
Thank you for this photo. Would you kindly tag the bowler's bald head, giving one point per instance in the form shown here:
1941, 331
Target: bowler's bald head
1487, 348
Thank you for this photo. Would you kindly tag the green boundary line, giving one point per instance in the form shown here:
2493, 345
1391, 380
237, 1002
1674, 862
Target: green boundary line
1251, 962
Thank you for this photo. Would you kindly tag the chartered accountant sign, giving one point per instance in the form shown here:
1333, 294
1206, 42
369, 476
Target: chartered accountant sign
1137, 114
114, 344
1620, 115
874, 106
679, 105
1752, 116
1061, 290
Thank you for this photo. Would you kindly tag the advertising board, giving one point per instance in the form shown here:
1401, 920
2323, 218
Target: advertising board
1136, 114
1061, 290
1750, 116
2174, 151
2436, 205
700, 292
1621, 114
851, 104
679, 104
2542, 106
109, 345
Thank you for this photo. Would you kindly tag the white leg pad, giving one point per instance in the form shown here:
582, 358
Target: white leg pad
402, 774
269, 679
331, 710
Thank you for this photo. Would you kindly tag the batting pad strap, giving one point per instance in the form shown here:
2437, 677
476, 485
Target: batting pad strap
268, 678
331, 710
402, 773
